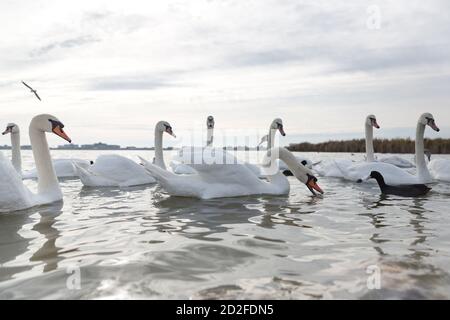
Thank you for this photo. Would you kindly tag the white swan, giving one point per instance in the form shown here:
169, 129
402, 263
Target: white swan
392, 174
188, 155
178, 161
440, 169
118, 171
16, 155
64, 168
232, 180
335, 167
13, 193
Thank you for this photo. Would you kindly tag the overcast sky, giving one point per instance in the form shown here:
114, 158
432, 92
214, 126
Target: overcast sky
111, 69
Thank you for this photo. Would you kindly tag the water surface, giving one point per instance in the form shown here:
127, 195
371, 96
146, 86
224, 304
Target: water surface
141, 243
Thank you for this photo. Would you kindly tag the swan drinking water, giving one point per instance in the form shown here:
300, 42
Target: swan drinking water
64, 168
118, 171
232, 179
14, 195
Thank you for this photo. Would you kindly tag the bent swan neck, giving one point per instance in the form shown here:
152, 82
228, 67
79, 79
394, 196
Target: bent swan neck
15, 152
47, 180
369, 144
159, 156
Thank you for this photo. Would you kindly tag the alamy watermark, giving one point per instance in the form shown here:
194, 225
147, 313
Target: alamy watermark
374, 17
374, 278
73, 281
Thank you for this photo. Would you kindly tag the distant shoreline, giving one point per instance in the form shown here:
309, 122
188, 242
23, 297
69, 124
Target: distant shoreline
382, 146
399, 146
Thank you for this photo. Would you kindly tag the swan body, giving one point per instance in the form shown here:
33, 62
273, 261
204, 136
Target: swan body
410, 190
440, 169
230, 180
14, 195
397, 161
119, 171
114, 171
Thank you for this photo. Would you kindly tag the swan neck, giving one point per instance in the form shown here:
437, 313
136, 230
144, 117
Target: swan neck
271, 138
15, 152
369, 144
209, 137
47, 180
159, 157
422, 169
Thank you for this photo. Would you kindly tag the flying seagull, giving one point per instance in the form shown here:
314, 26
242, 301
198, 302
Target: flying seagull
32, 90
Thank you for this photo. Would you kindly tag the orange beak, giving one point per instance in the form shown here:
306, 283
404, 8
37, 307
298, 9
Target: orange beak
60, 132
313, 185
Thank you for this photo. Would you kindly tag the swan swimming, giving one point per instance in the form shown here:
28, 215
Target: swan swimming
187, 155
118, 171
335, 167
394, 175
14, 195
178, 164
64, 168
232, 179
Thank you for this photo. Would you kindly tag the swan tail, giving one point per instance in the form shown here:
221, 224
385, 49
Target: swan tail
343, 171
84, 174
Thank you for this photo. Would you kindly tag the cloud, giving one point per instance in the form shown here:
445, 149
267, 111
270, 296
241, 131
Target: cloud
313, 63
65, 44
121, 83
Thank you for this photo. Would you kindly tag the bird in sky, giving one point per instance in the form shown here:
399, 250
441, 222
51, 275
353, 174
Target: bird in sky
32, 90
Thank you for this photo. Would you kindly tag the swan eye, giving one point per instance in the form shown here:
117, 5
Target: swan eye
56, 124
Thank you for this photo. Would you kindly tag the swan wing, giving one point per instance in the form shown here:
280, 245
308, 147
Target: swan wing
13, 193
209, 181
397, 161
440, 169
114, 170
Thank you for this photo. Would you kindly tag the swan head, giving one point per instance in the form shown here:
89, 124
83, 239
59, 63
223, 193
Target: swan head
164, 126
277, 124
210, 122
311, 183
427, 119
11, 128
371, 121
49, 123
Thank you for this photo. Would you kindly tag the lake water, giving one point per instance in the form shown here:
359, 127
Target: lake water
141, 243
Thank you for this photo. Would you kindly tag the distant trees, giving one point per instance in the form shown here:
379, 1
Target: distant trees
435, 146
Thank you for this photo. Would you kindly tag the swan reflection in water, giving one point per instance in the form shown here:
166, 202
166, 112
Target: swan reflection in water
16, 245
395, 268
